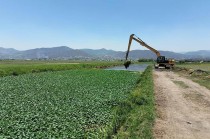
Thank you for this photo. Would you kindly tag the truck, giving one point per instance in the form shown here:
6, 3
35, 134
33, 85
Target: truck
161, 61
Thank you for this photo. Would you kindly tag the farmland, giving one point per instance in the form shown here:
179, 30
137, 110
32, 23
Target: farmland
64, 104
17, 67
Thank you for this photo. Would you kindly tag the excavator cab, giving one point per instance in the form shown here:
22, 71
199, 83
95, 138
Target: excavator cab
161, 59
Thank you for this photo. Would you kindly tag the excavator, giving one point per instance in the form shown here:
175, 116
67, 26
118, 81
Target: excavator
161, 62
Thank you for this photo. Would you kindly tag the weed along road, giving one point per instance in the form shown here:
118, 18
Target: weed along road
183, 107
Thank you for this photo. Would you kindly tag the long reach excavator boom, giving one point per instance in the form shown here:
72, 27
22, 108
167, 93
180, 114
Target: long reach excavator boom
161, 60
134, 37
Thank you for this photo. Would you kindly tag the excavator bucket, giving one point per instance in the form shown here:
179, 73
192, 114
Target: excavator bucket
127, 63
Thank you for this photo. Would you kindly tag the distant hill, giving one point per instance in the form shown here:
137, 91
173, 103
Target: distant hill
103, 53
99, 52
6, 53
53, 53
64, 52
134, 54
199, 54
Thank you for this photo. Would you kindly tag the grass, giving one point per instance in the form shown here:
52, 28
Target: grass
139, 121
195, 66
181, 84
64, 104
202, 81
198, 72
18, 67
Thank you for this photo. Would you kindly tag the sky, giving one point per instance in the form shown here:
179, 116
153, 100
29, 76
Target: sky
170, 25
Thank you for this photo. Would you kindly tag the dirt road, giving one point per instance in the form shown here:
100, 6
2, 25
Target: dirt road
183, 108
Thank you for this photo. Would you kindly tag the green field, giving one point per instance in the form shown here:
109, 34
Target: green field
64, 104
74, 99
17, 67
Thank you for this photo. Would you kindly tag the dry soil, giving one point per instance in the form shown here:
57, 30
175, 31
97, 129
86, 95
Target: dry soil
182, 106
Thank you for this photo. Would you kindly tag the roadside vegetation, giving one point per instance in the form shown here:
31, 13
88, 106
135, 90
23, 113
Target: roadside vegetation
17, 67
139, 122
205, 66
198, 72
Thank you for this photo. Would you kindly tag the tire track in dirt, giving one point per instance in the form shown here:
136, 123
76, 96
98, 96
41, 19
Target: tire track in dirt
182, 112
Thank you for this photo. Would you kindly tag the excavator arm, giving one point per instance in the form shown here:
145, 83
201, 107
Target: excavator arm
134, 37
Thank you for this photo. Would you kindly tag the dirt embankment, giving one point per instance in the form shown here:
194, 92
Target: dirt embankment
183, 107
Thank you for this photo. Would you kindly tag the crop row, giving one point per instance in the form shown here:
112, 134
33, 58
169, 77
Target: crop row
64, 104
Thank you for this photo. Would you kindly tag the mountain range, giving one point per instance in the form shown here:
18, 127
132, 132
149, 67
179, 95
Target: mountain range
64, 52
